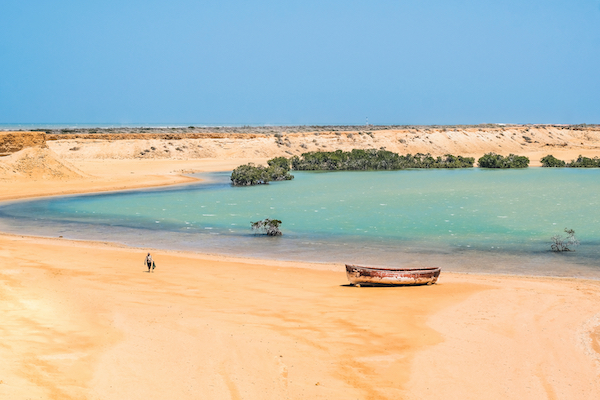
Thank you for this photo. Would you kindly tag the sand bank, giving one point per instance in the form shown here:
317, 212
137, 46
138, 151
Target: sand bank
84, 320
111, 175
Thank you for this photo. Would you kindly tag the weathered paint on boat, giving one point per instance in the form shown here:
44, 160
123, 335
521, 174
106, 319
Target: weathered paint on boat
358, 275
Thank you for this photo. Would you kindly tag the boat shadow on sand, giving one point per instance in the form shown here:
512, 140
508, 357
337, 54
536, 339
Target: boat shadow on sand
351, 285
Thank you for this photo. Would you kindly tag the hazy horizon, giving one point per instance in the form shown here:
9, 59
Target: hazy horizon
22, 126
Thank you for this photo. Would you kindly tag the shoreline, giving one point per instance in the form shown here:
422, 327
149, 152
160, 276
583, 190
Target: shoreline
241, 259
84, 320
186, 180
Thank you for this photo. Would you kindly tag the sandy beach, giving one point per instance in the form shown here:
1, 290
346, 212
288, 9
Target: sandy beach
85, 320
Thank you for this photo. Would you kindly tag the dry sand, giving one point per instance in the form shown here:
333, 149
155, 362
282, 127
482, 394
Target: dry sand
564, 142
84, 320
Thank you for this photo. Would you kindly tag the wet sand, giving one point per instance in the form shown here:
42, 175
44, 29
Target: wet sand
85, 320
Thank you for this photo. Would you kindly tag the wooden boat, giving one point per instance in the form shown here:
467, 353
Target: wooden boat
358, 275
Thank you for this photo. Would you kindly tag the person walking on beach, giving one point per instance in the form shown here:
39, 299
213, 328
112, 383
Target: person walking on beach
148, 261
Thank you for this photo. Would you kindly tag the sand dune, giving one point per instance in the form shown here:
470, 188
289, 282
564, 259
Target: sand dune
34, 163
535, 142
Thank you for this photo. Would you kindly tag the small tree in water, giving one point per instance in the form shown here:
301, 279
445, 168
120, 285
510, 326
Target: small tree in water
268, 226
559, 243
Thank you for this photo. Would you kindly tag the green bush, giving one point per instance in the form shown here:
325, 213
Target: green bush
551, 161
581, 162
492, 160
585, 162
250, 174
280, 162
372, 159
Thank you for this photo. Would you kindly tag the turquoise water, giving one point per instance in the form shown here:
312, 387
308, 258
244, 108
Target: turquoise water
468, 220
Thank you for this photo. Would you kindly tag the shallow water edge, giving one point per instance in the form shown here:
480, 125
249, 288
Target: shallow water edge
199, 218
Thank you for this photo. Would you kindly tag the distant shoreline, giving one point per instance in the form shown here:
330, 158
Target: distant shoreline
257, 129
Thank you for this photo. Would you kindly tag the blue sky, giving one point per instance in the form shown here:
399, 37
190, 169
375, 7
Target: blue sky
300, 62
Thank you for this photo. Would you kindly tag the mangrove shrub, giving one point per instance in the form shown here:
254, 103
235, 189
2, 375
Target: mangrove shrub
493, 160
585, 162
250, 174
581, 162
551, 161
267, 226
560, 243
372, 159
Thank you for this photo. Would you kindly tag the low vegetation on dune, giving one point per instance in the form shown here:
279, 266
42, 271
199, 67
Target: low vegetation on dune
362, 160
493, 160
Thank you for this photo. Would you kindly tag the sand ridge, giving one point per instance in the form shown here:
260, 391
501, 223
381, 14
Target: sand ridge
11, 142
564, 142
37, 163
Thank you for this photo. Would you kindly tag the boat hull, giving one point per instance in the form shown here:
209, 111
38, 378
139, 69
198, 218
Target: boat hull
358, 275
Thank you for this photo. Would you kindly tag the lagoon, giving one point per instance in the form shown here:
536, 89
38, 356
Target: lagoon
468, 220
